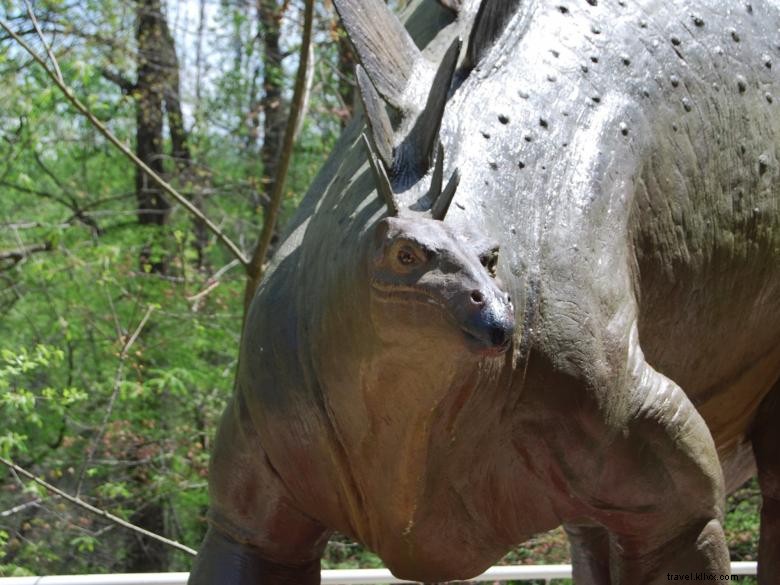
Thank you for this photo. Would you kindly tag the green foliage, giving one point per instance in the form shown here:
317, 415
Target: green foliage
741, 522
342, 553
128, 433
25, 403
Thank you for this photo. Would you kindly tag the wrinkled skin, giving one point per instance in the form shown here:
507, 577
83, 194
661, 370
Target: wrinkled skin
625, 158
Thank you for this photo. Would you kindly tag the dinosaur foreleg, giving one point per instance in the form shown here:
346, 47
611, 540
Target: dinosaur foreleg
589, 553
257, 535
766, 440
223, 560
662, 490
653, 480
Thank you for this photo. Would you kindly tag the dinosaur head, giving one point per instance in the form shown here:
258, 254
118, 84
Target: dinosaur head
423, 270
429, 281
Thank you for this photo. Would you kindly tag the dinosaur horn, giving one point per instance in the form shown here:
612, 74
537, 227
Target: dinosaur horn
383, 185
443, 201
452, 5
378, 121
382, 45
489, 24
437, 179
417, 151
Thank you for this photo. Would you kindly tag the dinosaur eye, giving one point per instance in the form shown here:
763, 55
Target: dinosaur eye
490, 262
406, 258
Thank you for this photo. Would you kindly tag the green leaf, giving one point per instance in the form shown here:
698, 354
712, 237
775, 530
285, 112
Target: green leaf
10, 442
84, 543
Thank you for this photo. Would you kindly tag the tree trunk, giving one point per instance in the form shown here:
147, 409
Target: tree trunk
143, 554
153, 210
346, 74
270, 13
146, 555
180, 150
158, 95
153, 207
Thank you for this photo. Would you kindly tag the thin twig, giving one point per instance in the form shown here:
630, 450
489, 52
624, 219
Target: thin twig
110, 408
46, 45
197, 297
221, 272
129, 343
97, 511
112, 308
212, 283
24, 251
255, 266
165, 186
20, 508
11, 258
28, 225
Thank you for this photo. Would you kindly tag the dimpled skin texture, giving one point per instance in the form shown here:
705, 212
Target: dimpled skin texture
624, 155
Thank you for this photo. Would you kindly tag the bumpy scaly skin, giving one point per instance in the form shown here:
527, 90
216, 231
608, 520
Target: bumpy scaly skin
624, 154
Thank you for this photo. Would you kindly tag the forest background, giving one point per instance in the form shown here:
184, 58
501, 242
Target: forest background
120, 308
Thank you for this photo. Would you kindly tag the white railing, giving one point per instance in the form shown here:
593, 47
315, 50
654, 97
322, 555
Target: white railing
329, 577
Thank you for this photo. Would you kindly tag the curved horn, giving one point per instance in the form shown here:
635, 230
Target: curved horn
417, 151
383, 185
443, 201
382, 44
378, 120
453, 5
437, 179
490, 22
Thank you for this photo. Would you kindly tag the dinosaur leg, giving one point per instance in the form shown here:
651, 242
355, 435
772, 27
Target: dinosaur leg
257, 536
662, 490
589, 553
766, 446
223, 560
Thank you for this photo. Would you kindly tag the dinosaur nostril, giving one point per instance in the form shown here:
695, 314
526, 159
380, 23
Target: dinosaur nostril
477, 298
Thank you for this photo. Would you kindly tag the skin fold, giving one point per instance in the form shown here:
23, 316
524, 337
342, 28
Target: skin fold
590, 337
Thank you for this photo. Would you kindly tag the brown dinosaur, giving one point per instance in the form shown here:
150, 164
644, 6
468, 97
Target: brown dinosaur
612, 367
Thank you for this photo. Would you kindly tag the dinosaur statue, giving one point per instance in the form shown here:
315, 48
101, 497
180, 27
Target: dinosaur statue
537, 283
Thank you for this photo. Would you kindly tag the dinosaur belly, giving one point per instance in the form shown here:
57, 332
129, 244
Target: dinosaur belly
442, 500
729, 411
445, 531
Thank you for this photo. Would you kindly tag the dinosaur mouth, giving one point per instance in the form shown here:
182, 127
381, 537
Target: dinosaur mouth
486, 337
490, 343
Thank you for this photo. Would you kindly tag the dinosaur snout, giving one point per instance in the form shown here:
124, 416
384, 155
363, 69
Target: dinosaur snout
489, 322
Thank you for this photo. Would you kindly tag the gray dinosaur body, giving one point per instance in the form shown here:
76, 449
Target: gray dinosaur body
624, 156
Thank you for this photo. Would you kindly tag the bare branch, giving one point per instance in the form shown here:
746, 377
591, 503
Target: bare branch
131, 340
36, 192
97, 511
212, 283
52, 58
255, 266
16, 256
19, 508
21, 253
29, 225
219, 273
71, 203
117, 383
50, 173
123, 82
196, 298
165, 186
